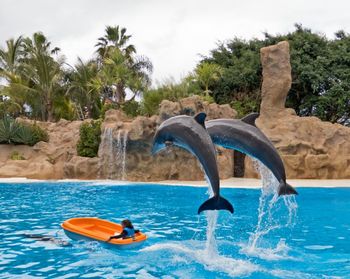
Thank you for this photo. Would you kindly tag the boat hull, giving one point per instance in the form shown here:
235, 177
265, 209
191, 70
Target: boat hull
94, 229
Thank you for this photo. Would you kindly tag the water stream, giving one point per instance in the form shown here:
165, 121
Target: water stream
269, 212
112, 154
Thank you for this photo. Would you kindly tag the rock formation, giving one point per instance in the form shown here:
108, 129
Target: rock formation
174, 163
45, 160
310, 148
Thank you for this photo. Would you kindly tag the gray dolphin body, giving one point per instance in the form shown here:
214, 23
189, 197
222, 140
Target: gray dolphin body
244, 136
190, 134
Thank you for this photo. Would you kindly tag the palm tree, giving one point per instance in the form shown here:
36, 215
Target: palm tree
119, 68
10, 66
10, 57
206, 74
81, 86
118, 74
43, 72
115, 37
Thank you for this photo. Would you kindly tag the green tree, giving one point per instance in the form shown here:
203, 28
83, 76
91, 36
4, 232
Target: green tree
81, 88
207, 74
320, 75
120, 70
168, 90
115, 38
11, 102
43, 73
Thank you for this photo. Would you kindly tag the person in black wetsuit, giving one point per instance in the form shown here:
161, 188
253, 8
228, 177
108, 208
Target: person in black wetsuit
128, 231
49, 238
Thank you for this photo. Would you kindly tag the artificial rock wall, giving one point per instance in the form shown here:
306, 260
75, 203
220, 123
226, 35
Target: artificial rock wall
310, 148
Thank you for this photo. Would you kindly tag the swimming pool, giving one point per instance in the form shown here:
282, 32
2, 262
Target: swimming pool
314, 242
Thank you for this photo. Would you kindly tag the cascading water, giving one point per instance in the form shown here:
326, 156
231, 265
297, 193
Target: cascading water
122, 139
269, 216
107, 154
112, 154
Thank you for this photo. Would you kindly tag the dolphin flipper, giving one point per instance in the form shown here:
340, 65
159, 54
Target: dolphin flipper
216, 203
286, 189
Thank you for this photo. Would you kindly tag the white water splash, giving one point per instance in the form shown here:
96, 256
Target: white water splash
212, 217
209, 257
216, 262
112, 154
268, 217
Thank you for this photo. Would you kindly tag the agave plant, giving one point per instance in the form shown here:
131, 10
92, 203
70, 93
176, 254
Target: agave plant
12, 132
24, 135
8, 130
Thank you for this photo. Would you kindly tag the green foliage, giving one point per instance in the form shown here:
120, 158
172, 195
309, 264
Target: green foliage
16, 156
82, 90
171, 91
207, 74
131, 108
320, 74
151, 101
13, 132
90, 138
38, 133
39, 87
8, 130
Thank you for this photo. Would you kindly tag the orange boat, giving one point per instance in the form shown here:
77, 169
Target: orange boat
89, 228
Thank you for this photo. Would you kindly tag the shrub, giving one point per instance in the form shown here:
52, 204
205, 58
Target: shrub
131, 108
8, 130
16, 156
13, 132
151, 101
38, 133
90, 138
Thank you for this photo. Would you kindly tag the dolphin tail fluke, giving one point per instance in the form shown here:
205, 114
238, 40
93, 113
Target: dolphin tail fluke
286, 189
216, 203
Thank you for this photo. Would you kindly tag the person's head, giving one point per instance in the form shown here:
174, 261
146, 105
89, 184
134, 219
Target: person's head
127, 224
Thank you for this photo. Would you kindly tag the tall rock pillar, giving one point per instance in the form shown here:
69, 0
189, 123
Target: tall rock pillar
277, 78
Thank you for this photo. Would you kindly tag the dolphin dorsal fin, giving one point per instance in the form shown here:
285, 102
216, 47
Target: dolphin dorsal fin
200, 118
250, 118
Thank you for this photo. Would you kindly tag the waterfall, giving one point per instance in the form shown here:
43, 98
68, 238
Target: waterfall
268, 215
107, 154
122, 140
112, 154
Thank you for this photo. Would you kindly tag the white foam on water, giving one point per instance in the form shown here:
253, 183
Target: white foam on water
318, 247
209, 257
280, 252
217, 263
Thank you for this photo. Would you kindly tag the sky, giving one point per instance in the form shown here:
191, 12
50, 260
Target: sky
173, 34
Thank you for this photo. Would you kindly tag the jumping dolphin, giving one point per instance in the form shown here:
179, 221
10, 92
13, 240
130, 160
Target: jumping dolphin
244, 136
190, 134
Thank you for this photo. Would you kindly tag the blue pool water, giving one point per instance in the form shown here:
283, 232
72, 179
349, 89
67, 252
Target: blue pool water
311, 242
